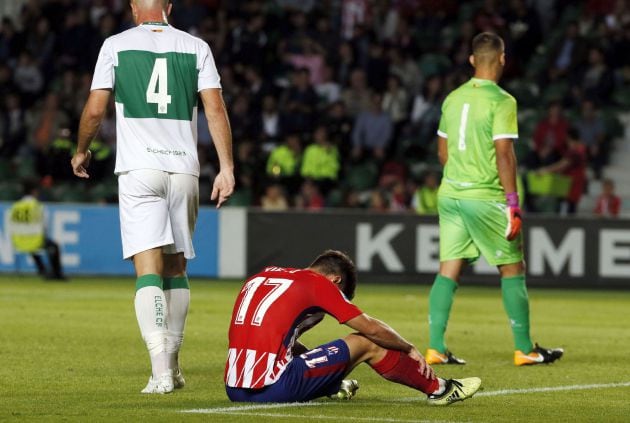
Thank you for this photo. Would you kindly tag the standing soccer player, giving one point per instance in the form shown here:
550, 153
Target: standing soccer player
156, 73
478, 204
267, 363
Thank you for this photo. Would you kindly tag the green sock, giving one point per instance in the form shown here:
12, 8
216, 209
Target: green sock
148, 280
440, 301
516, 305
176, 282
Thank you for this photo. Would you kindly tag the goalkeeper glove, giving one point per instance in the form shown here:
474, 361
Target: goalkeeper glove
514, 216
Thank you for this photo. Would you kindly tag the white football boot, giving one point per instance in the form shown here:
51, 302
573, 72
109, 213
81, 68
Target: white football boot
164, 384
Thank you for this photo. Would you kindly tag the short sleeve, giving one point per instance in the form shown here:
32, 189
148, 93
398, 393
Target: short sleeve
104, 71
332, 301
442, 129
505, 124
208, 74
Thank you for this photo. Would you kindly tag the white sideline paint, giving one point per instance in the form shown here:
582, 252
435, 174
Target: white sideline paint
536, 390
245, 410
552, 389
222, 410
324, 417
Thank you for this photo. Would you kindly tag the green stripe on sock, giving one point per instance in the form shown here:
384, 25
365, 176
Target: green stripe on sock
179, 282
516, 303
148, 280
440, 302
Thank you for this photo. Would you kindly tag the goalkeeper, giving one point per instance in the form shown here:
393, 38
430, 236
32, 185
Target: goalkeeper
478, 204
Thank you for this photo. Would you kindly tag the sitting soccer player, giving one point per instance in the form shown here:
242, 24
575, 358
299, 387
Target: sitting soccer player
266, 363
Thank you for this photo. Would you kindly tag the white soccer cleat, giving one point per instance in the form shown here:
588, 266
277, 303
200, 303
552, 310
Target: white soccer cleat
178, 379
456, 390
347, 390
164, 384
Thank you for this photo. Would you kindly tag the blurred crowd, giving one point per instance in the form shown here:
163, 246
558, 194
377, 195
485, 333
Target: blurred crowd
333, 103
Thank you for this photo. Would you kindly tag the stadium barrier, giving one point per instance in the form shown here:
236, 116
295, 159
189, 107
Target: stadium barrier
89, 238
388, 248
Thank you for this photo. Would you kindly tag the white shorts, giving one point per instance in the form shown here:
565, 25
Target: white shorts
157, 209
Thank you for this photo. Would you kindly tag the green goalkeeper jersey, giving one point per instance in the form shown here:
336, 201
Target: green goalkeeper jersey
473, 117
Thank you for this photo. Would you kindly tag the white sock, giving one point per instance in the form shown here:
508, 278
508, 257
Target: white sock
178, 300
441, 387
152, 312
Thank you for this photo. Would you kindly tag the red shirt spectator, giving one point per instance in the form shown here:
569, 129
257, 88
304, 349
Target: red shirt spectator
608, 204
550, 136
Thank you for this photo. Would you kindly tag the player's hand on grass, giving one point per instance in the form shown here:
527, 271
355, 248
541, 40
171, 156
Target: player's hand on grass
424, 368
223, 187
80, 162
514, 216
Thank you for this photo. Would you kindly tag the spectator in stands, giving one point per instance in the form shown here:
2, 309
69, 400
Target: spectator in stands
407, 70
550, 137
524, 28
608, 203
257, 88
274, 199
593, 133
309, 198
299, 102
344, 63
339, 126
597, 80
28, 78
357, 96
45, 122
271, 123
396, 103
328, 90
12, 126
398, 201
426, 111
425, 197
372, 131
11, 42
311, 57
378, 202
321, 162
243, 122
283, 163
572, 164
6, 80
568, 54
377, 67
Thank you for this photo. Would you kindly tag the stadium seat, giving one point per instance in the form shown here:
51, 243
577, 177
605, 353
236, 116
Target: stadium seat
363, 176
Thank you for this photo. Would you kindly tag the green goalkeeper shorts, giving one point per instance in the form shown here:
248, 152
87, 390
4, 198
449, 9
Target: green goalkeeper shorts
470, 228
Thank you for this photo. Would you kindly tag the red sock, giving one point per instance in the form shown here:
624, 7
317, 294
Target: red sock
398, 367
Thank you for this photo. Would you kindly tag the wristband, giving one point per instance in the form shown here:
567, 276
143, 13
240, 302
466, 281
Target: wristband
511, 199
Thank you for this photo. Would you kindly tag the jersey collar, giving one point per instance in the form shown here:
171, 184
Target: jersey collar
155, 23
480, 81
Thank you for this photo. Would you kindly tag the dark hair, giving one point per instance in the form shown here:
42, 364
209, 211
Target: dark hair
29, 186
487, 43
333, 262
573, 134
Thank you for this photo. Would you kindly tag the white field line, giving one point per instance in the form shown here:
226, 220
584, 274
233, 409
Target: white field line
552, 389
536, 390
324, 417
240, 408
250, 410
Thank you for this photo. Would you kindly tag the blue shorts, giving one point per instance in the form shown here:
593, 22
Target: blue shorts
314, 374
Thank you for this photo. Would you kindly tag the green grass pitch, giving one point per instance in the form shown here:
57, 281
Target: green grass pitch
72, 352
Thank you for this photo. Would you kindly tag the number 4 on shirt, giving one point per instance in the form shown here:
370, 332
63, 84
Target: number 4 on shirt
157, 91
